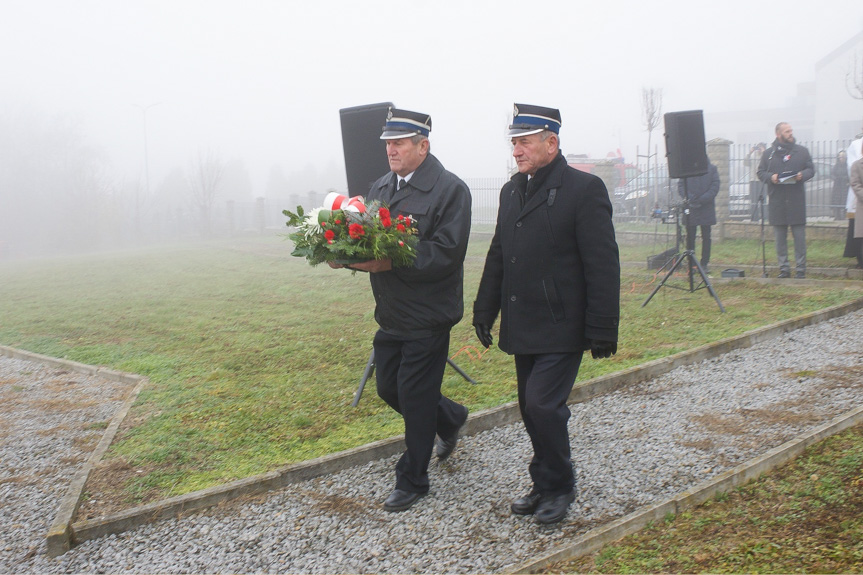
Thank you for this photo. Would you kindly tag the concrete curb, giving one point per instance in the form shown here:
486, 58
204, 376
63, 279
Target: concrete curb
595, 539
61, 536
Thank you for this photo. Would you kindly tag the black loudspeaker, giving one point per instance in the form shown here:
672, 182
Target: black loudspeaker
365, 152
684, 144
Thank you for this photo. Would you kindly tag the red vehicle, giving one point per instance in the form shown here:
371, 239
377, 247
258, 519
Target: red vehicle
612, 170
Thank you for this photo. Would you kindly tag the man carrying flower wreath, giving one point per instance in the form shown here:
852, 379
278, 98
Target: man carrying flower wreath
418, 304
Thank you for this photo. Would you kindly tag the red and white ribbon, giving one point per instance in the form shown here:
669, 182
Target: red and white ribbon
337, 201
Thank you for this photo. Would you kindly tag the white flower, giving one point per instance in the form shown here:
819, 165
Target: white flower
310, 225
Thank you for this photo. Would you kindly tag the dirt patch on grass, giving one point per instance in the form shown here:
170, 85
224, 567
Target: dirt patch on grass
106, 491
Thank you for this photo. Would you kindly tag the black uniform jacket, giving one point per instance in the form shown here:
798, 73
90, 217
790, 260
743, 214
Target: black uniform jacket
426, 298
701, 192
552, 270
786, 205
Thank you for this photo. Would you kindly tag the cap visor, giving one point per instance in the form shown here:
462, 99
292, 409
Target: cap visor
513, 132
396, 135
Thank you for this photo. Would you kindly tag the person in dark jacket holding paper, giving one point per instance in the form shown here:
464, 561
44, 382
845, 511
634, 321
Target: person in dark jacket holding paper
417, 305
784, 167
701, 192
552, 272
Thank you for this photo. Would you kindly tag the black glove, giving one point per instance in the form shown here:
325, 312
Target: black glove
483, 334
601, 349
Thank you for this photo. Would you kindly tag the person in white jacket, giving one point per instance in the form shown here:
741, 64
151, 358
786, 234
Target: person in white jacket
853, 246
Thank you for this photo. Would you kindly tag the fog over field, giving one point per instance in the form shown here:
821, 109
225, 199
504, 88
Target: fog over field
124, 121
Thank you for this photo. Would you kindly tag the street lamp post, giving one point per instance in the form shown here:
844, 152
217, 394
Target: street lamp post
146, 166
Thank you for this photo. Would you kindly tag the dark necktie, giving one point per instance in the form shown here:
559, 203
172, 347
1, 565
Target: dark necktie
402, 183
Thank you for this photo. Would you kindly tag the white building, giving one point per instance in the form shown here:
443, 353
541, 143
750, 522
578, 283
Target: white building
821, 110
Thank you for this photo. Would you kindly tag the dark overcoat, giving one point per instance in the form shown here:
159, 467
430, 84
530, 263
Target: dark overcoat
786, 203
427, 297
552, 271
701, 192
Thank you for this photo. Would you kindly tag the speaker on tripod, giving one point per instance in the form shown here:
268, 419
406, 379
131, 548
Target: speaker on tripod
365, 152
685, 147
686, 151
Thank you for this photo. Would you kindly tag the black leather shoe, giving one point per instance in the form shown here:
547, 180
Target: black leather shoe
444, 446
399, 500
553, 508
800, 275
784, 275
526, 505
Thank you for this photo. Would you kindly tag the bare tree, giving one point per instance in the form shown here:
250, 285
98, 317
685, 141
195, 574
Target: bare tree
205, 178
854, 77
651, 112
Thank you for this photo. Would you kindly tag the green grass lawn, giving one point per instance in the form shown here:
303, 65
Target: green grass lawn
254, 356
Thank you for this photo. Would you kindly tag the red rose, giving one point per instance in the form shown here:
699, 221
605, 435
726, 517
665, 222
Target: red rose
329, 235
400, 227
356, 231
384, 213
338, 222
401, 218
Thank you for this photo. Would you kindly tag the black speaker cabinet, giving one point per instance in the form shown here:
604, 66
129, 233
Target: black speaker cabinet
684, 144
365, 152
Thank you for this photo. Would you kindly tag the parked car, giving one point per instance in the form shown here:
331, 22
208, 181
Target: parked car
647, 190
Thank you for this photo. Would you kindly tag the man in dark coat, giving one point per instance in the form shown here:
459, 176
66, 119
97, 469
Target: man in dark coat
553, 273
784, 167
417, 305
701, 192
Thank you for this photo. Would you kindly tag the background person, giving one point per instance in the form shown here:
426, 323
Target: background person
853, 246
417, 306
701, 192
857, 188
756, 188
840, 174
784, 167
552, 273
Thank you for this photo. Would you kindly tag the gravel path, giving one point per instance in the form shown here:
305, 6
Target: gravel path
631, 448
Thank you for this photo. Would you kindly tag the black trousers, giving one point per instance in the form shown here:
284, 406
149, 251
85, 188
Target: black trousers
544, 384
705, 242
853, 246
409, 375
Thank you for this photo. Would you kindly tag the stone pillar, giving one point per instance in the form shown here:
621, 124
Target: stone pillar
719, 153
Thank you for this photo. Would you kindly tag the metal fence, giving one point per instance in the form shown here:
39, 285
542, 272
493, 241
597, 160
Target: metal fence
266, 213
822, 204
633, 201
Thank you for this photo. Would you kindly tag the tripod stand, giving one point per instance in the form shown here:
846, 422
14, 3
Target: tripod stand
687, 256
370, 369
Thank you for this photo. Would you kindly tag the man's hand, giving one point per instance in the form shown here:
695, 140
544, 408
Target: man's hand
483, 334
373, 266
335, 266
602, 349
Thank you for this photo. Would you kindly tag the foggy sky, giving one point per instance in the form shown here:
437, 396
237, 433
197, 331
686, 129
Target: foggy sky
263, 81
